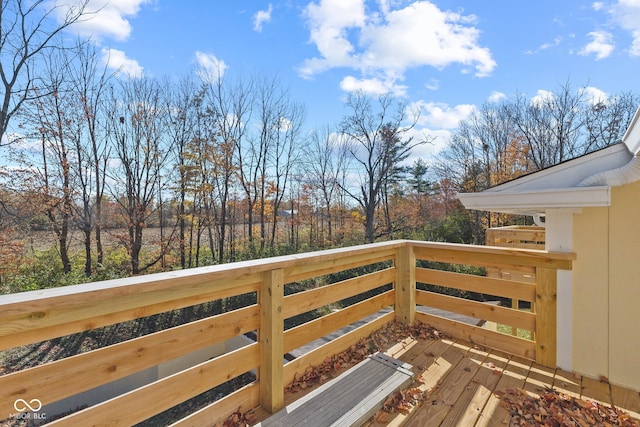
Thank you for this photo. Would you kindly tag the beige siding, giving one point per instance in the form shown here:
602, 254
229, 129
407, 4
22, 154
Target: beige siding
606, 289
590, 292
624, 286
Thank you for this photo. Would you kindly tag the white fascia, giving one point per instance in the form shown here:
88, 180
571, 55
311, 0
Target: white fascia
535, 202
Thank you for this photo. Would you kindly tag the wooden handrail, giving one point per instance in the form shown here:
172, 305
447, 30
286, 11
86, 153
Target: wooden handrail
36, 316
516, 236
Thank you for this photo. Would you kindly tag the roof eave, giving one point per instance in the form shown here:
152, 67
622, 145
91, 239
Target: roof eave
537, 202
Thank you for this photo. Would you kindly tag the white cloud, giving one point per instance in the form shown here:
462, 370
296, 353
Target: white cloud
389, 41
21, 142
432, 84
542, 97
598, 5
634, 50
441, 115
440, 139
106, 19
117, 60
596, 96
496, 96
626, 14
421, 34
211, 68
329, 22
373, 85
556, 42
601, 45
261, 17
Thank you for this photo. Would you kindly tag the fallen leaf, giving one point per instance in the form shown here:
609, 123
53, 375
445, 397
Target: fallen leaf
553, 408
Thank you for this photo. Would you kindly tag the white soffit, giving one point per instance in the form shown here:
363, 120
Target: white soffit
560, 186
536, 202
553, 188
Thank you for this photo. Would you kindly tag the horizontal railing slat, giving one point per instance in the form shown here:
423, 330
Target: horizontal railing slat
318, 328
215, 414
480, 284
486, 256
318, 355
479, 310
483, 337
305, 301
66, 377
345, 262
22, 326
147, 401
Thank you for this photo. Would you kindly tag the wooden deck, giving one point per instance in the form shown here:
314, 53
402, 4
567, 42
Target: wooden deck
463, 380
350, 399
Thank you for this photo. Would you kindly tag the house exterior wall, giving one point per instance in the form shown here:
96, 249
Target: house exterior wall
590, 292
606, 289
624, 286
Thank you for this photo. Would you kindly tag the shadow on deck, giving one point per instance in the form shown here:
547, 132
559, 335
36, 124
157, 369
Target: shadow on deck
461, 385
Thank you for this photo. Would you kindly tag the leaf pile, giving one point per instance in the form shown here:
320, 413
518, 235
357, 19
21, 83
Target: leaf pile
239, 419
557, 409
380, 340
401, 401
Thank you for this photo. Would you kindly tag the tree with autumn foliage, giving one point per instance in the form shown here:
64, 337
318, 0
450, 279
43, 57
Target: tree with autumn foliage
55, 121
376, 130
502, 141
228, 108
326, 159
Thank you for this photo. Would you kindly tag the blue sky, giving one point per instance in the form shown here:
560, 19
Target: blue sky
446, 57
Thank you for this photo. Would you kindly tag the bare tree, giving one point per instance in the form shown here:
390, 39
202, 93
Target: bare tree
607, 120
229, 107
88, 82
137, 134
184, 104
484, 151
550, 124
378, 143
325, 159
53, 119
27, 30
284, 154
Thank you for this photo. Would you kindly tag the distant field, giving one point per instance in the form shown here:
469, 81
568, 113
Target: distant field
44, 240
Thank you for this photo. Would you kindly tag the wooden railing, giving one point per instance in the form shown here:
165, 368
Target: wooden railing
37, 316
516, 236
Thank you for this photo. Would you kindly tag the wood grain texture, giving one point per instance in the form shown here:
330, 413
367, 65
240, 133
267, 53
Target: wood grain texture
66, 377
271, 339
304, 301
144, 402
547, 315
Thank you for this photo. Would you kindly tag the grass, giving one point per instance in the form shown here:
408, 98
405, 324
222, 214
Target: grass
522, 333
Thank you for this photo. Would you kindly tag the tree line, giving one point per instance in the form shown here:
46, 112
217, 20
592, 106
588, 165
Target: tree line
222, 166
503, 140
225, 168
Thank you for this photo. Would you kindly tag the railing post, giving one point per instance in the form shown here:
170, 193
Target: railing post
490, 237
405, 285
271, 341
546, 316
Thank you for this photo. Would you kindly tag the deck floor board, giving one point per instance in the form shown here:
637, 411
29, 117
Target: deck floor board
462, 379
349, 399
